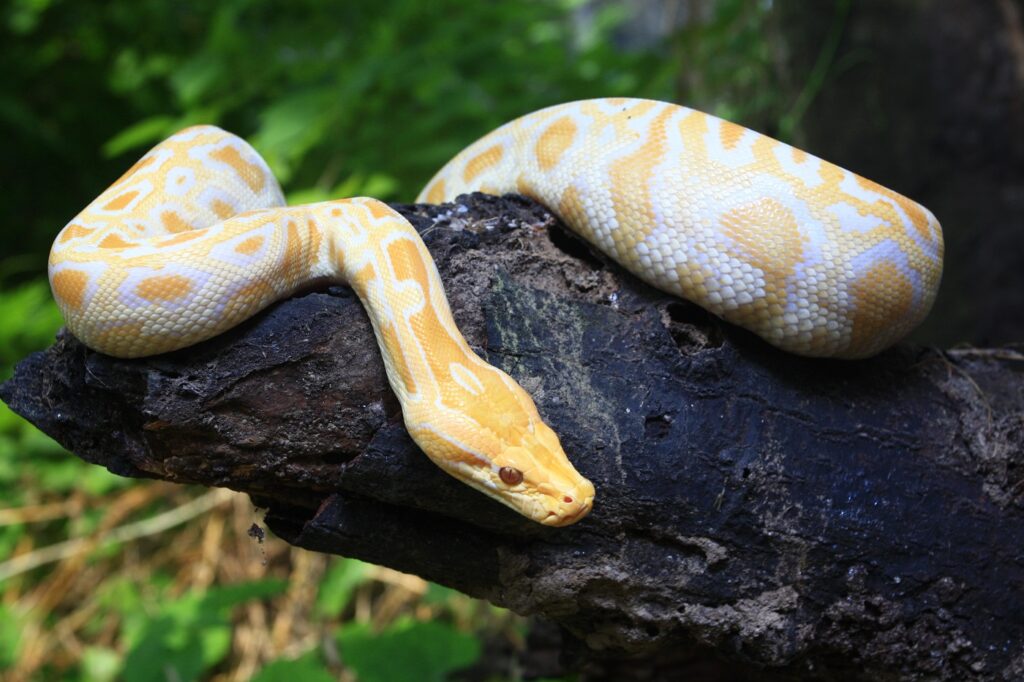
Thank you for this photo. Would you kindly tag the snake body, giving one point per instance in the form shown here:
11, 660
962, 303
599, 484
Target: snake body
196, 237
813, 258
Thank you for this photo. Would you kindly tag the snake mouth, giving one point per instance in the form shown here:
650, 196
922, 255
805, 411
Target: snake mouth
557, 519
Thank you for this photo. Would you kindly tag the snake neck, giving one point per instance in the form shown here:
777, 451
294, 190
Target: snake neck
471, 419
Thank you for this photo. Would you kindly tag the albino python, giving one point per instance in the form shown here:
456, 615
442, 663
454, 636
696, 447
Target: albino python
196, 237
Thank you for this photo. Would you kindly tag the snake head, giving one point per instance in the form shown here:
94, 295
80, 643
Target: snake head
503, 448
537, 480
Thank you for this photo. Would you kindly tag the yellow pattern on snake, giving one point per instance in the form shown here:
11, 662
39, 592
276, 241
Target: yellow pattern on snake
196, 237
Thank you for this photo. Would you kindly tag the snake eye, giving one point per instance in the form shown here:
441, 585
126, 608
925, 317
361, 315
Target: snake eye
510, 475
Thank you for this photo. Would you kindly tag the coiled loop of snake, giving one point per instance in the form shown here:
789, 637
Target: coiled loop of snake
196, 237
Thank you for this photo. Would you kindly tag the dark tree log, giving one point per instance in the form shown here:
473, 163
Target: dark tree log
758, 514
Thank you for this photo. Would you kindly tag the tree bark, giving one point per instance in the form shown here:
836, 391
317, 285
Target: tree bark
757, 514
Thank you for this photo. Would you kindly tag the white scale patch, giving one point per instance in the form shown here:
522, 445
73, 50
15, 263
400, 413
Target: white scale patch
807, 171
850, 219
465, 378
179, 181
227, 251
739, 155
189, 134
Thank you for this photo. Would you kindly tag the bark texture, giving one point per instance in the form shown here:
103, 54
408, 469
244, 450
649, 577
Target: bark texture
758, 514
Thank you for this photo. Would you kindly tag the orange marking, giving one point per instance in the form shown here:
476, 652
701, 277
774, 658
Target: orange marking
435, 195
766, 235
73, 231
570, 207
482, 161
911, 208
173, 222
115, 241
250, 245
882, 294
249, 172
553, 142
361, 279
222, 209
692, 129
631, 177
443, 349
378, 209
407, 261
120, 201
730, 134
164, 288
315, 235
294, 255
799, 155
69, 287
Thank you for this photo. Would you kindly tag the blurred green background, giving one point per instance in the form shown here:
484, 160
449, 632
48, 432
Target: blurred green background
102, 577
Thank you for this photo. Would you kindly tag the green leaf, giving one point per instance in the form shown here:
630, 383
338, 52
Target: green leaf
32, 320
100, 664
97, 481
307, 668
439, 594
145, 132
193, 79
292, 126
10, 636
190, 634
408, 650
338, 586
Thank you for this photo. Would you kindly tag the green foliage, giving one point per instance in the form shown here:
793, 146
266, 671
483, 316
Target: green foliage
408, 650
35, 322
10, 636
188, 635
735, 73
306, 668
338, 585
341, 97
100, 664
31, 463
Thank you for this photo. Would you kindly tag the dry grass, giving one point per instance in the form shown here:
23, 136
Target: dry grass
196, 539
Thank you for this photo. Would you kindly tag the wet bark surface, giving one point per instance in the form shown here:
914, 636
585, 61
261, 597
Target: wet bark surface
757, 514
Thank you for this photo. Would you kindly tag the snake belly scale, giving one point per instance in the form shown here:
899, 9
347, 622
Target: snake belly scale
196, 237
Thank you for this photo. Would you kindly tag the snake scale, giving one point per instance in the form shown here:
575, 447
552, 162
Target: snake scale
196, 237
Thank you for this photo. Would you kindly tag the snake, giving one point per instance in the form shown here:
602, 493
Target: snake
196, 237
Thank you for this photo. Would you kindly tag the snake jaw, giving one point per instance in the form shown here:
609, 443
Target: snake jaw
568, 513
